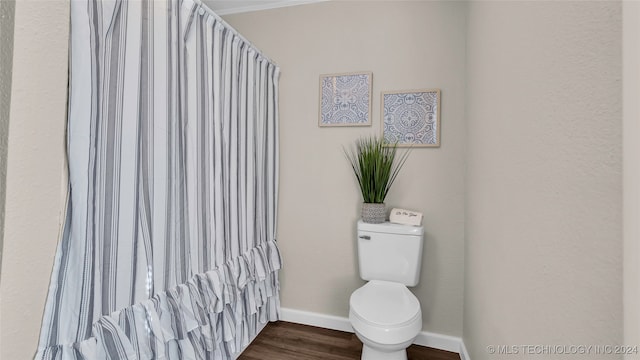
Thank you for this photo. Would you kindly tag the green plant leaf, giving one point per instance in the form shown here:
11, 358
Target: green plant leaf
375, 165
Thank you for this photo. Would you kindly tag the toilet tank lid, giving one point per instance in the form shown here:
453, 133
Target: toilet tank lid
390, 228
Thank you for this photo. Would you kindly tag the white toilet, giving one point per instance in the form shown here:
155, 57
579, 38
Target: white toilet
385, 315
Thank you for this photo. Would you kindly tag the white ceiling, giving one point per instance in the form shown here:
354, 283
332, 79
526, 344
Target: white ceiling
222, 7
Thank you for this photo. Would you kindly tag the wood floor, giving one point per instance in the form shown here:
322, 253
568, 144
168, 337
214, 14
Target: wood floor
288, 341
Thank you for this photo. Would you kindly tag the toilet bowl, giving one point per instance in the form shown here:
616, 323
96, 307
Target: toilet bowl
386, 317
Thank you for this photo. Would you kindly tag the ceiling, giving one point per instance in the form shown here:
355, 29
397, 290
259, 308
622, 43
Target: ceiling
224, 7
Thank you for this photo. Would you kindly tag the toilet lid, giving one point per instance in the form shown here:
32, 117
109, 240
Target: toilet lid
384, 303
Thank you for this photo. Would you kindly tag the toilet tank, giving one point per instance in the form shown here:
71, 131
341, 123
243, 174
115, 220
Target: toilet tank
390, 252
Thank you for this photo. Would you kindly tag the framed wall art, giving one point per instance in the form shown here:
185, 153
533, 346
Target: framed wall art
411, 117
345, 99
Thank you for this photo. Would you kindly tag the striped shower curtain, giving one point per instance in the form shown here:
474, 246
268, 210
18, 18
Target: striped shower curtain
168, 250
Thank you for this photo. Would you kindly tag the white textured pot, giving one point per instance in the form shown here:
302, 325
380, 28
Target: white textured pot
373, 213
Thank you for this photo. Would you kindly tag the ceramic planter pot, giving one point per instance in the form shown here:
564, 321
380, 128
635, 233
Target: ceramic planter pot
373, 213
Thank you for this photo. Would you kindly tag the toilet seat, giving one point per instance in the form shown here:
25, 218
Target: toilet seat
383, 303
385, 312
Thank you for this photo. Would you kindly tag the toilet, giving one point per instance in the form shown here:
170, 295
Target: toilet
384, 314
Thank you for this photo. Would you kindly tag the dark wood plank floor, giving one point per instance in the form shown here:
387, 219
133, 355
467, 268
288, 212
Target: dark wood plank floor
288, 341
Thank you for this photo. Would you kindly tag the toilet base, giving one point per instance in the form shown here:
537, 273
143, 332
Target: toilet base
369, 353
372, 350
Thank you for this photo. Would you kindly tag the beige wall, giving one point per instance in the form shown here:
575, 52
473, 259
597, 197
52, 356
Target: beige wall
631, 124
544, 186
34, 198
407, 45
543, 222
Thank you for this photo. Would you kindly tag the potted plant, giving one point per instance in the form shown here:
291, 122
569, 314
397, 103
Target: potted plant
375, 166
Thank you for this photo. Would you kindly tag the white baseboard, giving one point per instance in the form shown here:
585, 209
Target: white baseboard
464, 355
432, 340
315, 319
439, 341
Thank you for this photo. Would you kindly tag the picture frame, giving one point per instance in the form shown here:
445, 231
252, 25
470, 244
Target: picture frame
345, 99
411, 118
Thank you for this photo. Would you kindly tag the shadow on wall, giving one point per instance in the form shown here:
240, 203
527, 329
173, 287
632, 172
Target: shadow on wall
429, 251
7, 11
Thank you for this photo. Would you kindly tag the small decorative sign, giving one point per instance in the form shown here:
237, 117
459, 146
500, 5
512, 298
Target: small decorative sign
411, 117
345, 99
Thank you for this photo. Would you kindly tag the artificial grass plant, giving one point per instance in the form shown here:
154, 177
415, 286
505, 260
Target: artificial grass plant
376, 165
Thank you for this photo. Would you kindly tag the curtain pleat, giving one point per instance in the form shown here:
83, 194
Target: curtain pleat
168, 249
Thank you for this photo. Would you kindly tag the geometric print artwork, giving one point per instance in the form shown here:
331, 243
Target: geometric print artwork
411, 117
345, 99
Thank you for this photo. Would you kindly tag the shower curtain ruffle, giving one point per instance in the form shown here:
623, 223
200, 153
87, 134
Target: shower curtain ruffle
220, 308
